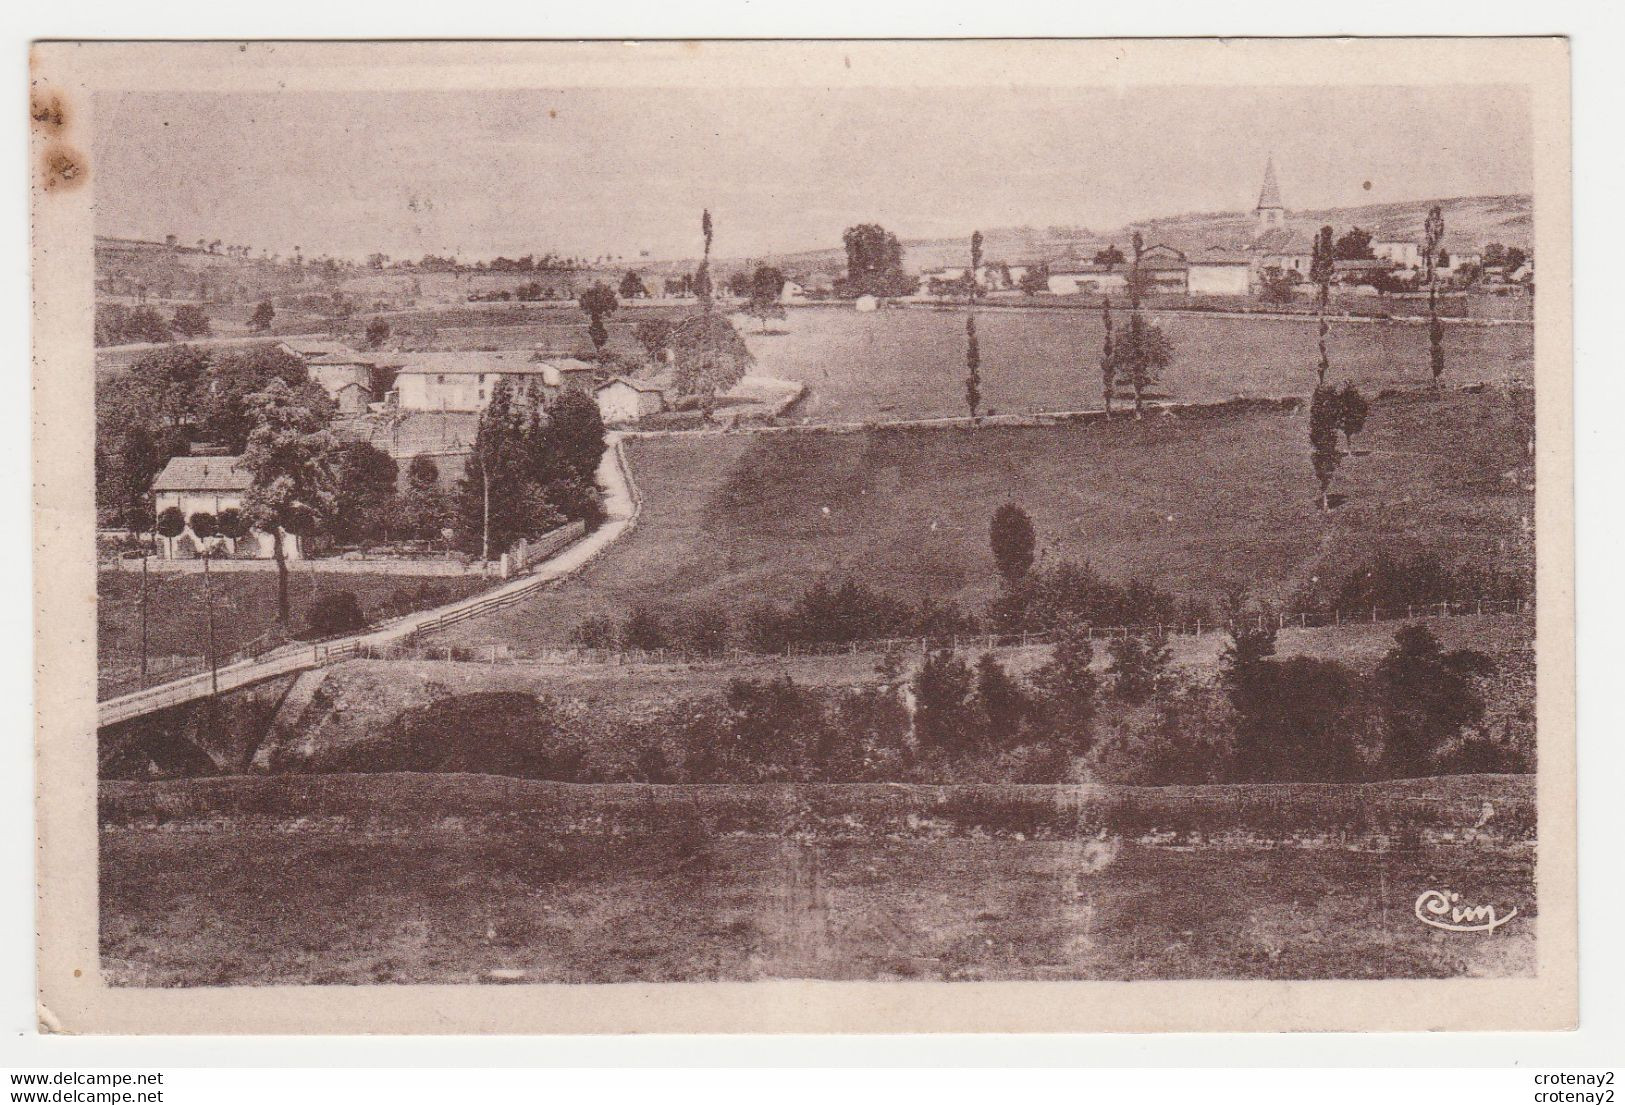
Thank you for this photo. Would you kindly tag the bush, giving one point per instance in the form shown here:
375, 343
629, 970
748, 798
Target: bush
335, 613
597, 631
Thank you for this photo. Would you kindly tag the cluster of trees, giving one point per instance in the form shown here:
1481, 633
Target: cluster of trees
168, 399
1333, 411
532, 468
1125, 717
1139, 353
117, 324
874, 264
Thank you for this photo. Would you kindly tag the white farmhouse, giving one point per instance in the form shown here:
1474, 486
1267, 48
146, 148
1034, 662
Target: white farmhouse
1407, 255
623, 400
463, 381
1219, 272
212, 486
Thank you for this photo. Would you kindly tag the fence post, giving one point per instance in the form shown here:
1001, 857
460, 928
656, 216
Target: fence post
1373, 613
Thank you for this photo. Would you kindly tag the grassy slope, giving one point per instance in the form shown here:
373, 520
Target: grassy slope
244, 606
261, 906
1195, 504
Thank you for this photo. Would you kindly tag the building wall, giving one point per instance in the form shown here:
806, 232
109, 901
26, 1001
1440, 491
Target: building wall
619, 403
1402, 253
256, 543
1219, 279
447, 391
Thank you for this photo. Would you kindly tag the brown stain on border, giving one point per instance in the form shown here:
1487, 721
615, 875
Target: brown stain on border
64, 167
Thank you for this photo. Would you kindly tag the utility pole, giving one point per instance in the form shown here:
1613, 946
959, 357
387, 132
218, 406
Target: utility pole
143, 620
208, 603
485, 536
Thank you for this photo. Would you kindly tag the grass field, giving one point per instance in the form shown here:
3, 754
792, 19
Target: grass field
898, 364
342, 888
244, 609
1196, 505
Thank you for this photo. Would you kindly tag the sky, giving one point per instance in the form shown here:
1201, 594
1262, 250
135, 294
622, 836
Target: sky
626, 172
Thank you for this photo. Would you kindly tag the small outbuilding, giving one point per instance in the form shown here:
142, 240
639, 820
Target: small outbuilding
623, 400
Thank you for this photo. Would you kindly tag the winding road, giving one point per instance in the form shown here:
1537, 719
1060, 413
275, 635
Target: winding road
622, 504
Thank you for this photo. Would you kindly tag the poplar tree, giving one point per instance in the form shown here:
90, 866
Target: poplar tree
1434, 241
973, 362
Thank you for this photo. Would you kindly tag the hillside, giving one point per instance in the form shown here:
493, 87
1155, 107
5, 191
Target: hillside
1470, 223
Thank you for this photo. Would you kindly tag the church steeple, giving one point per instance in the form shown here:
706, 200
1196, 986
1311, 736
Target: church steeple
1270, 212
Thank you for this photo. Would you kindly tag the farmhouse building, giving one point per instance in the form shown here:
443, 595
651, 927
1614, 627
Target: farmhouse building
212, 486
1076, 279
1406, 255
351, 379
624, 400
463, 381
1219, 272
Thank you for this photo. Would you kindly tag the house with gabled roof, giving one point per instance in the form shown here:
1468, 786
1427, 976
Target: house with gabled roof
210, 485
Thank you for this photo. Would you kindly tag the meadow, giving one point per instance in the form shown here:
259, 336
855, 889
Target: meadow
245, 608
1201, 505
911, 363
469, 879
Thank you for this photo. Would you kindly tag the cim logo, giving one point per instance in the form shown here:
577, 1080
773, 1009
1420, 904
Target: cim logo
1440, 909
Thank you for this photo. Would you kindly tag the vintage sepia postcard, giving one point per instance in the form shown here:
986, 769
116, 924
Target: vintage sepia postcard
833, 536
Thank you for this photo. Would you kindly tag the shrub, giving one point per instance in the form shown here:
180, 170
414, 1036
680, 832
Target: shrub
334, 613
944, 712
643, 629
702, 629
597, 631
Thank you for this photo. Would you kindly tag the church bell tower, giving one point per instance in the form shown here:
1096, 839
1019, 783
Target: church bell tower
1270, 213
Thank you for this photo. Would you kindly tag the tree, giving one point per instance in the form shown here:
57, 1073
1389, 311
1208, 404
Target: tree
1067, 687
363, 493
655, 335
599, 303
231, 524
171, 522
1353, 410
1296, 722
190, 321
1003, 702
377, 332
1320, 271
632, 286
575, 434
1325, 418
203, 525
766, 283
1035, 280
710, 357
235, 377
702, 277
1353, 245
1138, 666
1139, 354
874, 264
1425, 696
975, 272
425, 508
1013, 540
1111, 257
260, 320
973, 362
1432, 244
944, 714
1277, 285
498, 498
289, 455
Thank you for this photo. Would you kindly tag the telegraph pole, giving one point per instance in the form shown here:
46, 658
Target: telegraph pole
208, 602
143, 619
